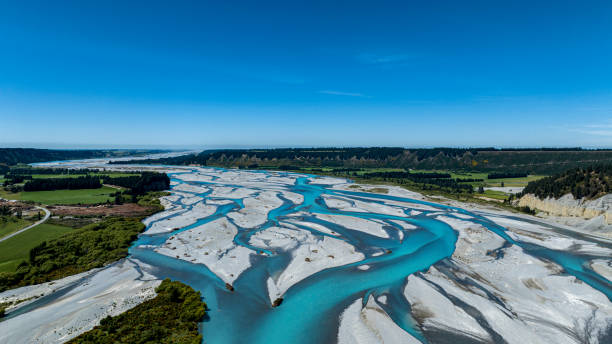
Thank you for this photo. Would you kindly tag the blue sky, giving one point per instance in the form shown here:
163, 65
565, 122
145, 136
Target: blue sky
289, 73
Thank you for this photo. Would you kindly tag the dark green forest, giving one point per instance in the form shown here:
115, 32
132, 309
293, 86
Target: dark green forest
46, 184
530, 161
141, 184
13, 156
170, 317
590, 182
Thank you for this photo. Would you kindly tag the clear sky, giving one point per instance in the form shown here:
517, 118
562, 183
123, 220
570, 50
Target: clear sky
315, 73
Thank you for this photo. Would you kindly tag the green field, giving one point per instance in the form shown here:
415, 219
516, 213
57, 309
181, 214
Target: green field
494, 195
11, 224
82, 196
488, 182
17, 248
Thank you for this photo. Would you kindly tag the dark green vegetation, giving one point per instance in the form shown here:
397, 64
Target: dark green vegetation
151, 201
506, 175
14, 156
79, 250
590, 182
86, 182
531, 161
141, 184
20, 174
29, 170
171, 317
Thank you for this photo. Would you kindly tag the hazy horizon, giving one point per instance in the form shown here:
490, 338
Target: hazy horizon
205, 147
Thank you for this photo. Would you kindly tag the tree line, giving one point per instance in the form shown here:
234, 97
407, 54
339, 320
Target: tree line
506, 175
140, 184
46, 184
18, 170
510, 160
590, 182
14, 156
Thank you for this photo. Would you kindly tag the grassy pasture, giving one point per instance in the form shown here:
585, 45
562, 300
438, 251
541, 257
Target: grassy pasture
17, 248
11, 224
82, 196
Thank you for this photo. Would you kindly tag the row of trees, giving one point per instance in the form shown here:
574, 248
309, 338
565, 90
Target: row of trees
506, 175
14, 156
140, 184
15, 179
45, 184
19, 170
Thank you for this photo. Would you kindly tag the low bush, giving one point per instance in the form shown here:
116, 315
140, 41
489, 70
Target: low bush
171, 317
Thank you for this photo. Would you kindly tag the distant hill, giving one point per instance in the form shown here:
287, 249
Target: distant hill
590, 182
534, 160
13, 156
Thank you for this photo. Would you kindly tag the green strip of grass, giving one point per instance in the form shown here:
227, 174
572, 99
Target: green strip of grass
11, 224
494, 195
16, 249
